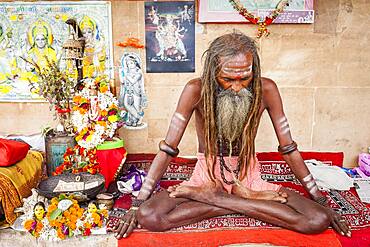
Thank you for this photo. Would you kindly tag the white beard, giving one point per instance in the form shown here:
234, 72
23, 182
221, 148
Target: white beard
231, 111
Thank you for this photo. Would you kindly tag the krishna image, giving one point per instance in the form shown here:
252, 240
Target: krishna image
95, 51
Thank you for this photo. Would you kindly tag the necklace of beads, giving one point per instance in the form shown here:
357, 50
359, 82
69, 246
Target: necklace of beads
223, 167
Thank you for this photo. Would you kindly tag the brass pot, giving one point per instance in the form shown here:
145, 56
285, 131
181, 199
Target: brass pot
105, 199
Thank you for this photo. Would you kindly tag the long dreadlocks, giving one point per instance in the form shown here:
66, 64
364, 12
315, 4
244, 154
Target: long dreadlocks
229, 45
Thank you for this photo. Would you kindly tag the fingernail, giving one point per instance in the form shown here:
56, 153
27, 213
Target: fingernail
116, 234
124, 235
342, 233
348, 234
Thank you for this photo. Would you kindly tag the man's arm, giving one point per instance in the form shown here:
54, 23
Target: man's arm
184, 110
272, 102
168, 149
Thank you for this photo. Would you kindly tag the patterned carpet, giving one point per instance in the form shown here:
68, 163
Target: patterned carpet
274, 170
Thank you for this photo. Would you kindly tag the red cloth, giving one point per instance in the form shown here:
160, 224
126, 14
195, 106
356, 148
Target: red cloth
215, 236
109, 161
360, 238
335, 158
279, 237
12, 151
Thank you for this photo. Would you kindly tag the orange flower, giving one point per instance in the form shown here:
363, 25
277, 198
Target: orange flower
103, 89
67, 214
76, 99
28, 224
73, 218
39, 226
96, 218
73, 226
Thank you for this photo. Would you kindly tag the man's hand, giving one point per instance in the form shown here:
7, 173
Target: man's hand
338, 223
126, 224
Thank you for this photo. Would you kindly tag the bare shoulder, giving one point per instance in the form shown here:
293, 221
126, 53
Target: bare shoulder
270, 92
193, 89
268, 85
194, 85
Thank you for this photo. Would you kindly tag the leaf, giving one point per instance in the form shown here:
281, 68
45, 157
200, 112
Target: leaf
55, 214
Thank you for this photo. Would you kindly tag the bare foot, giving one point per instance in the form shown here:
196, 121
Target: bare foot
172, 188
259, 195
204, 193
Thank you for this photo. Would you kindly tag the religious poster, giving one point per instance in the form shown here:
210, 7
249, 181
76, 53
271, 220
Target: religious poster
132, 98
298, 11
36, 31
170, 37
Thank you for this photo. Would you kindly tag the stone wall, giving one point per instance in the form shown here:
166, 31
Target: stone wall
322, 70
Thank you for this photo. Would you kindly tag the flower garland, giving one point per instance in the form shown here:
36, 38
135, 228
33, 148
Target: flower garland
34, 227
95, 113
65, 218
62, 214
78, 159
92, 219
131, 42
262, 29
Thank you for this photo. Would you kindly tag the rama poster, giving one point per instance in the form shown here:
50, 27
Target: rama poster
36, 31
170, 37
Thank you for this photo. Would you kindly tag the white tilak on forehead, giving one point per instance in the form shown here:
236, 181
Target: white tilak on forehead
284, 125
234, 70
178, 121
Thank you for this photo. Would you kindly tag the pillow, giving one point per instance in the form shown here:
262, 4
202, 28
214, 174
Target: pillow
12, 151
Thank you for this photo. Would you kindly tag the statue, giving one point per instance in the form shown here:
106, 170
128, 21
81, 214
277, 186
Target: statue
132, 94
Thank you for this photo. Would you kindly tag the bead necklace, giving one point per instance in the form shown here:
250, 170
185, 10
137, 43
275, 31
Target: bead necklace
223, 166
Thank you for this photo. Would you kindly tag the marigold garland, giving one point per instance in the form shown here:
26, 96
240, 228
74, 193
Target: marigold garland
95, 114
262, 29
65, 218
79, 159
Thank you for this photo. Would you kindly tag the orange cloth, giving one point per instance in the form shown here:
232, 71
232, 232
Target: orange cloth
252, 181
17, 181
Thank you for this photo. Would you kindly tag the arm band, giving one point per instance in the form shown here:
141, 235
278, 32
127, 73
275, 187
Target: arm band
163, 146
288, 148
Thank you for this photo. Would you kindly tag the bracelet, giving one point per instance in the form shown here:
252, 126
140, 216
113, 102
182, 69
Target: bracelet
322, 200
288, 148
136, 203
163, 146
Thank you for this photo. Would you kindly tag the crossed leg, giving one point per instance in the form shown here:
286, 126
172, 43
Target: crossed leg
191, 204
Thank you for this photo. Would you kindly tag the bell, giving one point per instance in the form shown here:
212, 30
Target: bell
73, 49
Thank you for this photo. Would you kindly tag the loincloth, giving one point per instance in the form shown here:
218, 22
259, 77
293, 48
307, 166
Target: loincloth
252, 180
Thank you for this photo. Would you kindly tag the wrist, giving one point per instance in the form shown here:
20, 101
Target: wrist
136, 203
323, 201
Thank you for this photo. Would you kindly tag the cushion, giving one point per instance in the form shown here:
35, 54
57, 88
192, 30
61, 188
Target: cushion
12, 151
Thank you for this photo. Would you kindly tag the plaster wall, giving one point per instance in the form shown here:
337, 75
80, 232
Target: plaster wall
322, 71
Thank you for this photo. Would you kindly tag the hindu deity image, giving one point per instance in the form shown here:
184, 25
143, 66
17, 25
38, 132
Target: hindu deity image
132, 97
169, 35
95, 51
40, 38
170, 29
8, 62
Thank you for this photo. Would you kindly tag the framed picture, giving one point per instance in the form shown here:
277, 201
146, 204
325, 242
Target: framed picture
37, 30
221, 11
170, 36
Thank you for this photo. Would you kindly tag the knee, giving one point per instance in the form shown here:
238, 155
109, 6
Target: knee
150, 219
317, 222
